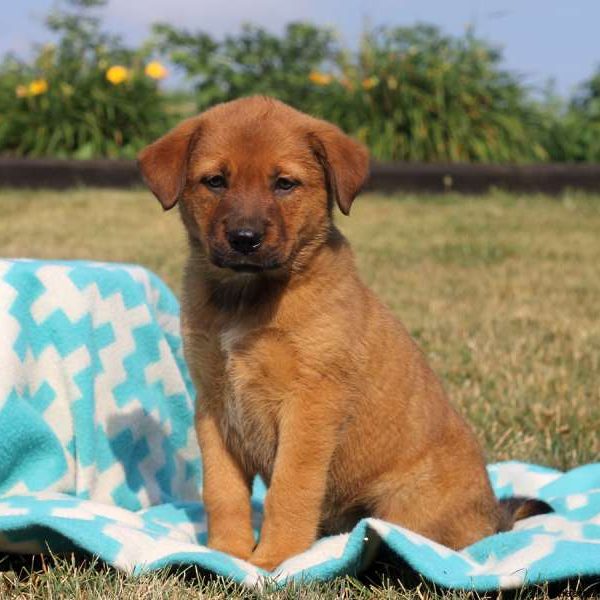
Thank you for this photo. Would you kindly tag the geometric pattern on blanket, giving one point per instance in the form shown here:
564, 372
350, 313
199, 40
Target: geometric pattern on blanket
98, 451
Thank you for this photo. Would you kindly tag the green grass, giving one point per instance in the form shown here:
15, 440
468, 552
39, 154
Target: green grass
501, 291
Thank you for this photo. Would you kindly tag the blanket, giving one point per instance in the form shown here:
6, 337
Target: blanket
98, 452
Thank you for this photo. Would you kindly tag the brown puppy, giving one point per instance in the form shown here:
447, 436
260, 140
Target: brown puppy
303, 376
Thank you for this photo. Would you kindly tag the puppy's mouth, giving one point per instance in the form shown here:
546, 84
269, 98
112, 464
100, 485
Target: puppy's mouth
247, 268
245, 264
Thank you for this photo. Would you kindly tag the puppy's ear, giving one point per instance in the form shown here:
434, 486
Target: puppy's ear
164, 162
344, 160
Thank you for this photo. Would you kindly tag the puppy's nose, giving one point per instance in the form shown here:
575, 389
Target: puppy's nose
245, 241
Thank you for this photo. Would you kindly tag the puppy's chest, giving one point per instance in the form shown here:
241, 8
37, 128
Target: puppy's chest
250, 399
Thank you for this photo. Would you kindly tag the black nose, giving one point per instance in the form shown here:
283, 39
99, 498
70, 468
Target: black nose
244, 241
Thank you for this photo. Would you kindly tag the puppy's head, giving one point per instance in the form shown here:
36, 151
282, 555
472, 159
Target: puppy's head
256, 181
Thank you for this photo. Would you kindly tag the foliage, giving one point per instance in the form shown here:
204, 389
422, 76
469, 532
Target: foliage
65, 103
252, 62
572, 131
416, 94
582, 122
409, 93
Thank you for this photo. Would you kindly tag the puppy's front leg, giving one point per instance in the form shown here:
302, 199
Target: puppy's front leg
226, 492
294, 501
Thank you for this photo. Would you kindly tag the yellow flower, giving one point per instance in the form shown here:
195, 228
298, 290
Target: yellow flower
155, 70
392, 82
21, 91
117, 74
37, 87
319, 78
370, 83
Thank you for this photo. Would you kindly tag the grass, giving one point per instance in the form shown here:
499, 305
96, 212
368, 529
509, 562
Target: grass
501, 292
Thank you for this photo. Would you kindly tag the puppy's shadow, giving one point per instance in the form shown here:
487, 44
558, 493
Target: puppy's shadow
389, 571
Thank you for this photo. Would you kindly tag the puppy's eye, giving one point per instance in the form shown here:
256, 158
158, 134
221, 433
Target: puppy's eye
215, 182
284, 184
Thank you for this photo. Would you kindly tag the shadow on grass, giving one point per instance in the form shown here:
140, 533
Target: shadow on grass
390, 572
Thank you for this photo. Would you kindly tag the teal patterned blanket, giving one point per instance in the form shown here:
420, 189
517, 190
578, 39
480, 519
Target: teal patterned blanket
98, 453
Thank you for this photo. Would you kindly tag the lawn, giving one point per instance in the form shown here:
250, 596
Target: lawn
502, 292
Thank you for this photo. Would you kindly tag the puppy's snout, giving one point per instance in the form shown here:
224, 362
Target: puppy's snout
245, 241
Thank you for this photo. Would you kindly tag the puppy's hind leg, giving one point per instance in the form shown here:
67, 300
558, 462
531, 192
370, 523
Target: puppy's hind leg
453, 520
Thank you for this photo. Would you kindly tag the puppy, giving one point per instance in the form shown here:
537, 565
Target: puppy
303, 376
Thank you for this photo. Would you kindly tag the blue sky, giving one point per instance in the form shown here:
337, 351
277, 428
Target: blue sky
541, 39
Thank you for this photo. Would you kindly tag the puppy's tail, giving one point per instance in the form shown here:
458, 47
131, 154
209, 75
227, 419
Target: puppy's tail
515, 508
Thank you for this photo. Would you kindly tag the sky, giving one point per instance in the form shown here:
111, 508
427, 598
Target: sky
541, 39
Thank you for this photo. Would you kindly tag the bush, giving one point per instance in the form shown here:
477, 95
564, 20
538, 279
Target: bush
581, 124
421, 96
572, 132
408, 93
253, 62
87, 96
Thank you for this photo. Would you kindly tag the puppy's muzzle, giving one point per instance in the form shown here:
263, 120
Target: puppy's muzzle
245, 240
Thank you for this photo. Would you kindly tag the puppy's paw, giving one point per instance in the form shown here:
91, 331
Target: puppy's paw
236, 547
268, 557
265, 561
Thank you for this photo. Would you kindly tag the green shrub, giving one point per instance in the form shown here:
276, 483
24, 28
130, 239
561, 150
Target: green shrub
87, 96
579, 129
253, 62
421, 96
408, 93
572, 132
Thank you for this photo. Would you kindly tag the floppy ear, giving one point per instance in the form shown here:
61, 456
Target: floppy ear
164, 162
344, 160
